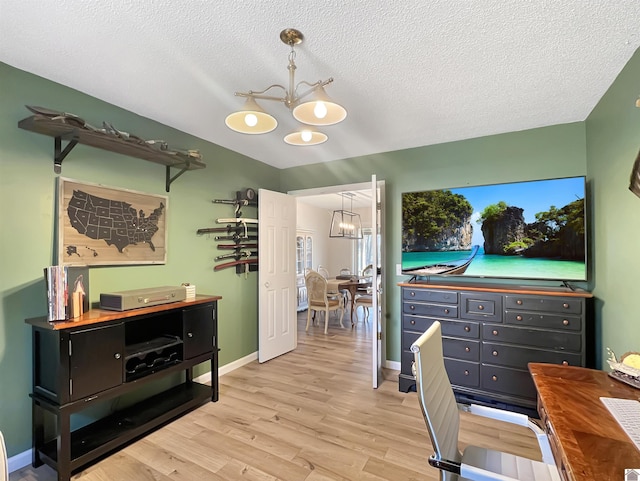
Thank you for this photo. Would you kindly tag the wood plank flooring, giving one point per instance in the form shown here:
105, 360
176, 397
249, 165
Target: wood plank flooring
307, 415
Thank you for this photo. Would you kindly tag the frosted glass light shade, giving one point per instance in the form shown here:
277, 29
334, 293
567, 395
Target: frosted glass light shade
305, 137
251, 119
319, 110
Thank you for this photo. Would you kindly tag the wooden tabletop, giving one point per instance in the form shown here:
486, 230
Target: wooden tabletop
587, 442
95, 316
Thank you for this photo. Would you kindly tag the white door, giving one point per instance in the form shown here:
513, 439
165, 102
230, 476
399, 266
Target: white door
378, 326
276, 274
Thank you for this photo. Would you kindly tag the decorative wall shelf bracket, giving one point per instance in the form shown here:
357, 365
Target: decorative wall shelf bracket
75, 135
170, 179
58, 153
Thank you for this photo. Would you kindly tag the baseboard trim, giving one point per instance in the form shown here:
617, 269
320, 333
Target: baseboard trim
20, 460
395, 365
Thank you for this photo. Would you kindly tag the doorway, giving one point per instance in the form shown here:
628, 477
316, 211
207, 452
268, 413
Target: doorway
315, 208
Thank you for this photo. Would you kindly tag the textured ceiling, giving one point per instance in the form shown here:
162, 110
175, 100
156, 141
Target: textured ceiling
409, 73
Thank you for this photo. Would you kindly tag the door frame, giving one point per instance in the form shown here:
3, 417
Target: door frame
336, 189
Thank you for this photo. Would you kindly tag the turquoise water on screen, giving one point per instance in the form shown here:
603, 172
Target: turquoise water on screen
501, 266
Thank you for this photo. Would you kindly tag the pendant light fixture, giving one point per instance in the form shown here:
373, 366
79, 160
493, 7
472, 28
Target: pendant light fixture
346, 224
312, 106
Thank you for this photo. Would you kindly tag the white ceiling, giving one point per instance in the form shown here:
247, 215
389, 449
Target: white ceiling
410, 73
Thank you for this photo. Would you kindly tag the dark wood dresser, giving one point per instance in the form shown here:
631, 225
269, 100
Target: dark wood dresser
491, 332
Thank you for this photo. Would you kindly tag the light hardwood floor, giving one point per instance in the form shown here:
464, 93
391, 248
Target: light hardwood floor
307, 415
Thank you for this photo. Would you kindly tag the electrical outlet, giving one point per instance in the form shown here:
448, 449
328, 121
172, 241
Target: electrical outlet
398, 269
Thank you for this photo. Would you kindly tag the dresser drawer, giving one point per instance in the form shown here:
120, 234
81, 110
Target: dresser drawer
458, 348
519, 357
462, 369
451, 328
464, 349
433, 310
428, 295
549, 304
463, 373
483, 306
507, 381
557, 340
552, 321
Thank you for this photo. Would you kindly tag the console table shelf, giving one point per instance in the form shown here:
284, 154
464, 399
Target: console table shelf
75, 135
80, 362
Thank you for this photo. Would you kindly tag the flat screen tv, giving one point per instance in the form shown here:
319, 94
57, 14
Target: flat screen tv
523, 230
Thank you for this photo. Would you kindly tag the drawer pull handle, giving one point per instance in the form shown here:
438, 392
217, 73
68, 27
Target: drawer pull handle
412, 307
494, 378
117, 355
466, 372
565, 322
446, 311
189, 334
467, 329
495, 353
412, 294
413, 323
565, 363
519, 302
518, 318
494, 332
565, 305
467, 349
480, 307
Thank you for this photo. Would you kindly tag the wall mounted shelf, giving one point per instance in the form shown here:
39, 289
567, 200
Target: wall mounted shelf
74, 135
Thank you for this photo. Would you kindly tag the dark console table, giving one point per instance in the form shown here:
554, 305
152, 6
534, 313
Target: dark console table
491, 332
105, 354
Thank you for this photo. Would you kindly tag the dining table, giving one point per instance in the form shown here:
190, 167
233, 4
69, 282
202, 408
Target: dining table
351, 284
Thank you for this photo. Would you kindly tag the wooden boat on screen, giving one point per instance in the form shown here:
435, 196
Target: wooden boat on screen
445, 268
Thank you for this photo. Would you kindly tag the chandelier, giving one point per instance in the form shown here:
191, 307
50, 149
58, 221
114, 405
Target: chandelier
312, 107
346, 224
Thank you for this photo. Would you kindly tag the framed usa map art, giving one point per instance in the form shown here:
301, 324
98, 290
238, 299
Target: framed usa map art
100, 225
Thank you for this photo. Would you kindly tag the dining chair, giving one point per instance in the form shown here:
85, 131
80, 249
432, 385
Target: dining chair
366, 300
440, 412
340, 295
321, 301
4, 464
364, 289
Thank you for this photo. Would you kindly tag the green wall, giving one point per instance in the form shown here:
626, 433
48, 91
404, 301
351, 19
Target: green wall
613, 139
604, 148
27, 223
557, 151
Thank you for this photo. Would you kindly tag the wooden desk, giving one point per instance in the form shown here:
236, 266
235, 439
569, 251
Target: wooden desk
587, 442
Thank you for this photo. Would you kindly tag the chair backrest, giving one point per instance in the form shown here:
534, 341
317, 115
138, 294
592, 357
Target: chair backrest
316, 288
345, 271
4, 464
323, 272
436, 397
367, 271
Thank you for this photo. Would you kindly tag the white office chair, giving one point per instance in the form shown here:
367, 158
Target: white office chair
4, 464
442, 418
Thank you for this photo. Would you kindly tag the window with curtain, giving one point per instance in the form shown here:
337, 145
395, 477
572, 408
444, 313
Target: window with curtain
363, 256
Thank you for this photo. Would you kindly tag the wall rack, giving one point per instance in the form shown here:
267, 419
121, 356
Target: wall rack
75, 135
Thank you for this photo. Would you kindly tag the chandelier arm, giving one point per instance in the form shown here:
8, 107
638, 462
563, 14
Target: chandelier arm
319, 83
255, 93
